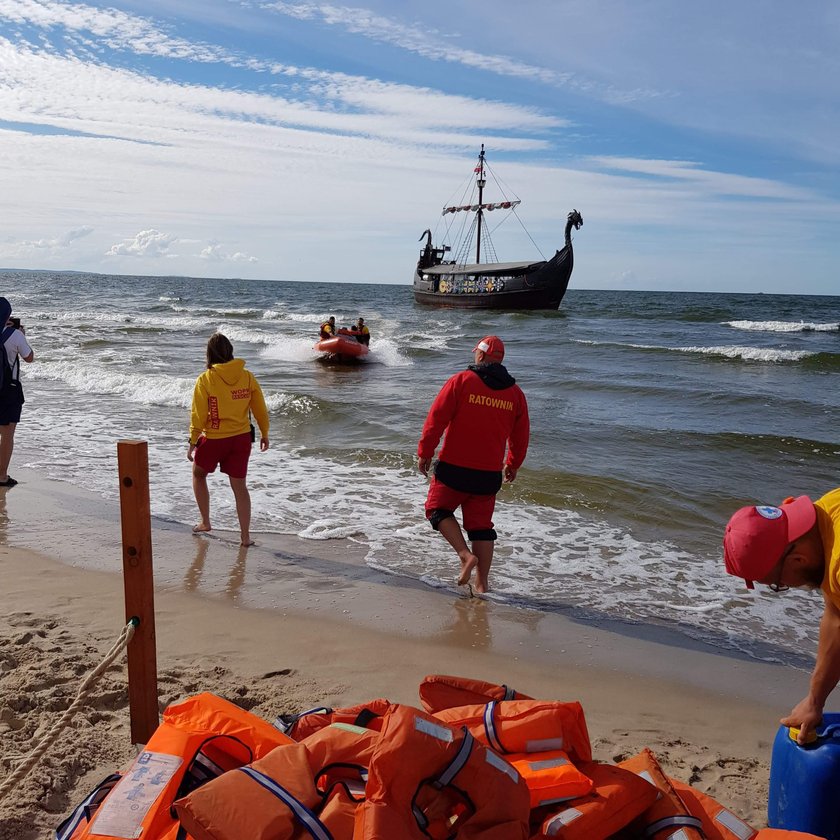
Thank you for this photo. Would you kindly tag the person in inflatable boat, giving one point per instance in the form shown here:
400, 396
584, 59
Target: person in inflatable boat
795, 545
360, 330
484, 415
328, 328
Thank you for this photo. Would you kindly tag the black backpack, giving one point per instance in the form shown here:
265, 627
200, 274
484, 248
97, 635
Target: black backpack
10, 391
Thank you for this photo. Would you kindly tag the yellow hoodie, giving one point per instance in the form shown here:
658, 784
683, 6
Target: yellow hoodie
223, 398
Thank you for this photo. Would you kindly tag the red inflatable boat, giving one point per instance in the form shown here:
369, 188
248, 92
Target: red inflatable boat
342, 346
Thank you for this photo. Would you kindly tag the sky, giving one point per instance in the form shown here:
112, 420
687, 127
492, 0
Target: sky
286, 140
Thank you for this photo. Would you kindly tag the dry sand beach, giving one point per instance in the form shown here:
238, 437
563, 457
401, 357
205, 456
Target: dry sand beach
290, 624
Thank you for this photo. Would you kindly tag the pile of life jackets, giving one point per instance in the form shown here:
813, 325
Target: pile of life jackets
478, 762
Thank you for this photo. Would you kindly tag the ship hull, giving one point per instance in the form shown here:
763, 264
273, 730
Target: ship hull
541, 286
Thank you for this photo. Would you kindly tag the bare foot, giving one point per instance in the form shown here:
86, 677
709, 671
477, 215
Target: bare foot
201, 528
468, 562
246, 541
481, 588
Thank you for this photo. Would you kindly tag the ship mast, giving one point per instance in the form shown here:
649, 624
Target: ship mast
480, 181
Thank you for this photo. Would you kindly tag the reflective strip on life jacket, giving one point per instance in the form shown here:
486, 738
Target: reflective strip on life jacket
427, 727
303, 815
490, 728
461, 758
500, 764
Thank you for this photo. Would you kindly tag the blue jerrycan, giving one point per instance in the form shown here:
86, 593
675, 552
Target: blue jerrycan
805, 781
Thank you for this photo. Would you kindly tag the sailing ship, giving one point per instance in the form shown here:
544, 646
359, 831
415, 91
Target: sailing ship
490, 284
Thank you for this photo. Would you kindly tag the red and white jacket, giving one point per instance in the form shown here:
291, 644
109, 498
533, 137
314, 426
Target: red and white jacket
484, 415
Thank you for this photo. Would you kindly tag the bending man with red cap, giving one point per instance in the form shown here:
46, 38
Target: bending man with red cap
484, 415
797, 544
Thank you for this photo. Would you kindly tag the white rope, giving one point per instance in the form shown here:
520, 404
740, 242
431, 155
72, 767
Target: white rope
83, 693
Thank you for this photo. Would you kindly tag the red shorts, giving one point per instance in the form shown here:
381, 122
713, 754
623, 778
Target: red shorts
230, 454
476, 510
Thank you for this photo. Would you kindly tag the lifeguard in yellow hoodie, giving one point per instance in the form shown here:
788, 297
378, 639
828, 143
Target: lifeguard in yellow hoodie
221, 433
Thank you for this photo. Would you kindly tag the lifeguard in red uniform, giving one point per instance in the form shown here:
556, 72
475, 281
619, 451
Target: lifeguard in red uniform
484, 416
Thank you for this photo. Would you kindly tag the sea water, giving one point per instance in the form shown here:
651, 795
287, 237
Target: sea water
654, 416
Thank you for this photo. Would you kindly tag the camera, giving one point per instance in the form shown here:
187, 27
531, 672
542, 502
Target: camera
15, 322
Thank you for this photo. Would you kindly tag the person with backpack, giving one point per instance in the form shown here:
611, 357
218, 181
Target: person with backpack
15, 347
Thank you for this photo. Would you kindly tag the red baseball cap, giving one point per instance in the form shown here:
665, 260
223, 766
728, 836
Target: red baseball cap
492, 345
756, 536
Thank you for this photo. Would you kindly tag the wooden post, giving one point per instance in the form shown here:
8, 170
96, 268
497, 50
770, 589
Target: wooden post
136, 518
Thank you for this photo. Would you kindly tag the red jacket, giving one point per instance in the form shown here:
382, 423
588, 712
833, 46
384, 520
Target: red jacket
480, 422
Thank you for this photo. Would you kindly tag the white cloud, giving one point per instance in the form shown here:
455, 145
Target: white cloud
720, 183
47, 245
69, 93
212, 252
431, 43
111, 27
215, 253
72, 235
147, 243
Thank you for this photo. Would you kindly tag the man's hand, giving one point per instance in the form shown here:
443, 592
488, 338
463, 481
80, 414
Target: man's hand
808, 712
510, 474
190, 452
263, 444
423, 465
805, 715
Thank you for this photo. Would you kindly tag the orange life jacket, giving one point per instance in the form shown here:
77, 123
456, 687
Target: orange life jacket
669, 813
784, 834
198, 739
440, 691
430, 781
303, 724
550, 776
618, 797
293, 791
719, 823
516, 726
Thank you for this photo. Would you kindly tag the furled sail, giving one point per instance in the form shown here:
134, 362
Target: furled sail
497, 205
